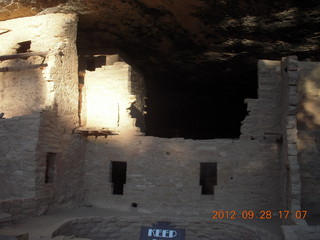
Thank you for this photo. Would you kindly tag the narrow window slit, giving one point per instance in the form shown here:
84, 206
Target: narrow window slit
208, 177
118, 177
50, 167
24, 47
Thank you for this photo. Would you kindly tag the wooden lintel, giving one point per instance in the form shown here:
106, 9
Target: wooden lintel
3, 31
27, 67
96, 133
23, 55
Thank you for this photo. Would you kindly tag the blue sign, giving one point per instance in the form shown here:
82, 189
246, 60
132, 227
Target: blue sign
161, 231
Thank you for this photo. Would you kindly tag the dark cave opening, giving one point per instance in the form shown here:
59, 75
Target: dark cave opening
185, 98
199, 106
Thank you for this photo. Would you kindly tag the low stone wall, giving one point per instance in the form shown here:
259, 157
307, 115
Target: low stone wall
18, 141
248, 169
118, 228
24, 207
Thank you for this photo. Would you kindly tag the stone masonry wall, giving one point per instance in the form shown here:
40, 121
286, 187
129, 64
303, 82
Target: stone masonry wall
108, 97
299, 147
292, 181
264, 117
163, 174
60, 119
18, 141
46, 99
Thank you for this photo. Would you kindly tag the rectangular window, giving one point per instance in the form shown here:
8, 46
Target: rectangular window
208, 177
118, 177
50, 166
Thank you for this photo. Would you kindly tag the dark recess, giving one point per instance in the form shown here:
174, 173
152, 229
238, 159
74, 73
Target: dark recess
118, 177
196, 82
24, 47
208, 177
50, 167
199, 106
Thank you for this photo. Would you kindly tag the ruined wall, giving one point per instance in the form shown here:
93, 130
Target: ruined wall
264, 114
290, 169
163, 174
46, 100
108, 95
61, 118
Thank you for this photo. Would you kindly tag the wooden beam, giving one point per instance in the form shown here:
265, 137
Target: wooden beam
91, 132
22, 55
15, 69
3, 31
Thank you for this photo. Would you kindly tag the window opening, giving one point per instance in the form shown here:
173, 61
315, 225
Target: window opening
24, 47
208, 177
208, 104
50, 166
91, 64
118, 177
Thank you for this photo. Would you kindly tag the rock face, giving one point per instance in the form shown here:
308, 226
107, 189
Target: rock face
191, 33
192, 46
62, 162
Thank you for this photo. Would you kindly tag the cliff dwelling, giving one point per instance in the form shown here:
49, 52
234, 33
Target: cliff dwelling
136, 119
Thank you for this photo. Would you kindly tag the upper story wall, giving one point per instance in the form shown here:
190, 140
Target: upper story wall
24, 87
39, 99
112, 96
163, 175
264, 114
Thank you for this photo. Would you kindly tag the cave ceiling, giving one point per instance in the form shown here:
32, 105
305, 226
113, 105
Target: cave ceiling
193, 40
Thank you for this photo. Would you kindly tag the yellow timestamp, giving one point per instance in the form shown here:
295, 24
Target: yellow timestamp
263, 214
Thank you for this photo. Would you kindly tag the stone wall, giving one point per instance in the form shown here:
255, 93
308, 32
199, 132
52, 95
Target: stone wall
41, 111
264, 113
163, 174
108, 97
300, 176
18, 141
290, 167
105, 90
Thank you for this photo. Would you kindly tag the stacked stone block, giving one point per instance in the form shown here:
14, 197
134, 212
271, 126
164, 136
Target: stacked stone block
264, 118
107, 98
41, 111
